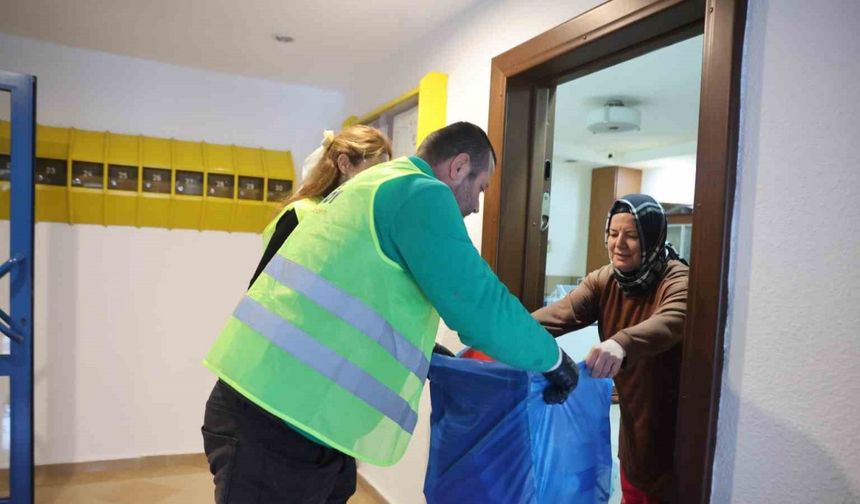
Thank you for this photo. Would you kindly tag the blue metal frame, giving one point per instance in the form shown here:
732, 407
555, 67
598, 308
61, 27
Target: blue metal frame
18, 324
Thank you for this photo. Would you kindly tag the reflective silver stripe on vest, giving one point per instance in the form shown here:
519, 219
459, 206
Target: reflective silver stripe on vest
350, 309
326, 362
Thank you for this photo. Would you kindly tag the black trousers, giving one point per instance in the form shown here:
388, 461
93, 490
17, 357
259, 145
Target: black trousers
256, 458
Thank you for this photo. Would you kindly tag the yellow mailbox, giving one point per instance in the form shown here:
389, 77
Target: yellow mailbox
280, 175
5, 168
219, 200
123, 180
87, 177
252, 213
52, 174
156, 183
186, 210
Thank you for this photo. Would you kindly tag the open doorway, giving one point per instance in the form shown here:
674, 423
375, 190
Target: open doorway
629, 128
526, 86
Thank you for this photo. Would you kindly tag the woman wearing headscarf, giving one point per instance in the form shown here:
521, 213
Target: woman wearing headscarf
639, 301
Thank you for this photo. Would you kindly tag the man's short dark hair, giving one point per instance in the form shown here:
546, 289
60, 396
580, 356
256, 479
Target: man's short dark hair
457, 138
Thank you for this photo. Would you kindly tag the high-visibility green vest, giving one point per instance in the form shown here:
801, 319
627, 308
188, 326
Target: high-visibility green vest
301, 207
334, 337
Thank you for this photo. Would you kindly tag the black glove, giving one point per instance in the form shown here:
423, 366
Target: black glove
562, 381
439, 349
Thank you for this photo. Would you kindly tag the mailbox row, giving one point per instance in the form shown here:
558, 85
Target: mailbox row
89, 177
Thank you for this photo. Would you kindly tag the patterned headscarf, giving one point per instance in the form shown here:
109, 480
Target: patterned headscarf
651, 225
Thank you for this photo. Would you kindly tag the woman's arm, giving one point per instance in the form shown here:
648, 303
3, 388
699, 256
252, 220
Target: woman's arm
578, 309
665, 327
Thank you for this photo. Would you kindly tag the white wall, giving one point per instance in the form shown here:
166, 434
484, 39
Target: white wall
789, 410
123, 319
672, 182
123, 315
568, 224
462, 50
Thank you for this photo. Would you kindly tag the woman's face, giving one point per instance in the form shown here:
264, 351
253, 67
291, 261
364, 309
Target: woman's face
623, 244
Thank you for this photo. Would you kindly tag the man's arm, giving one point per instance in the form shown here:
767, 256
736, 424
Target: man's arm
421, 228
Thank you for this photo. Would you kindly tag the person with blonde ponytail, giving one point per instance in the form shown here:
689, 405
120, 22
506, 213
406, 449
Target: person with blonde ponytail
337, 159
340, 157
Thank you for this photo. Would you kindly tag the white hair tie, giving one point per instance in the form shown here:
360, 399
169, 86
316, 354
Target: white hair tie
328, 138
317, 154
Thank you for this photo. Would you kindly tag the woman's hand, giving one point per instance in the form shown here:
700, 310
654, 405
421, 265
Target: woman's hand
604, 360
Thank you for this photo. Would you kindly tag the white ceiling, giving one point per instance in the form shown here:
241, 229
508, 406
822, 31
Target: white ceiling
332, 36
663, 85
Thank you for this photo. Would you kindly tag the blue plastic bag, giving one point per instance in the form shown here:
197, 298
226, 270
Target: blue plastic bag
494, 440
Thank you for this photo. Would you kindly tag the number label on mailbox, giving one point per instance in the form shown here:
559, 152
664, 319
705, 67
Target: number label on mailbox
279, 190
189, 183
51, 171
156, 180
5, 166
122, 178
87, 175
221, 186
251, 188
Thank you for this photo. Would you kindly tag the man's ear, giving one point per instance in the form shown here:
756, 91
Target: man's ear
459, 167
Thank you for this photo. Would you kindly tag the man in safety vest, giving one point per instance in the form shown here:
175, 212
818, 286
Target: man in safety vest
324, 359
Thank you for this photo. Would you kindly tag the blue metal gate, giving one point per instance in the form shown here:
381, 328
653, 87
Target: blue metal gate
17, 325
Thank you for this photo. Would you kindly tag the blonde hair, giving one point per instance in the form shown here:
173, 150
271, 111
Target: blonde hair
357, 142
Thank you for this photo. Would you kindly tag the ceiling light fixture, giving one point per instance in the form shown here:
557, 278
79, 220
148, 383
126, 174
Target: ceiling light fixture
614, 117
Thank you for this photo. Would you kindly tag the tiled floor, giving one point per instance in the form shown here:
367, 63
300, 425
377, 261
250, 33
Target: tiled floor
177, 484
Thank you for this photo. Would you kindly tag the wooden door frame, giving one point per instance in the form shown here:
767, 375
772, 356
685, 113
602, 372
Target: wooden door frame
610, 33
